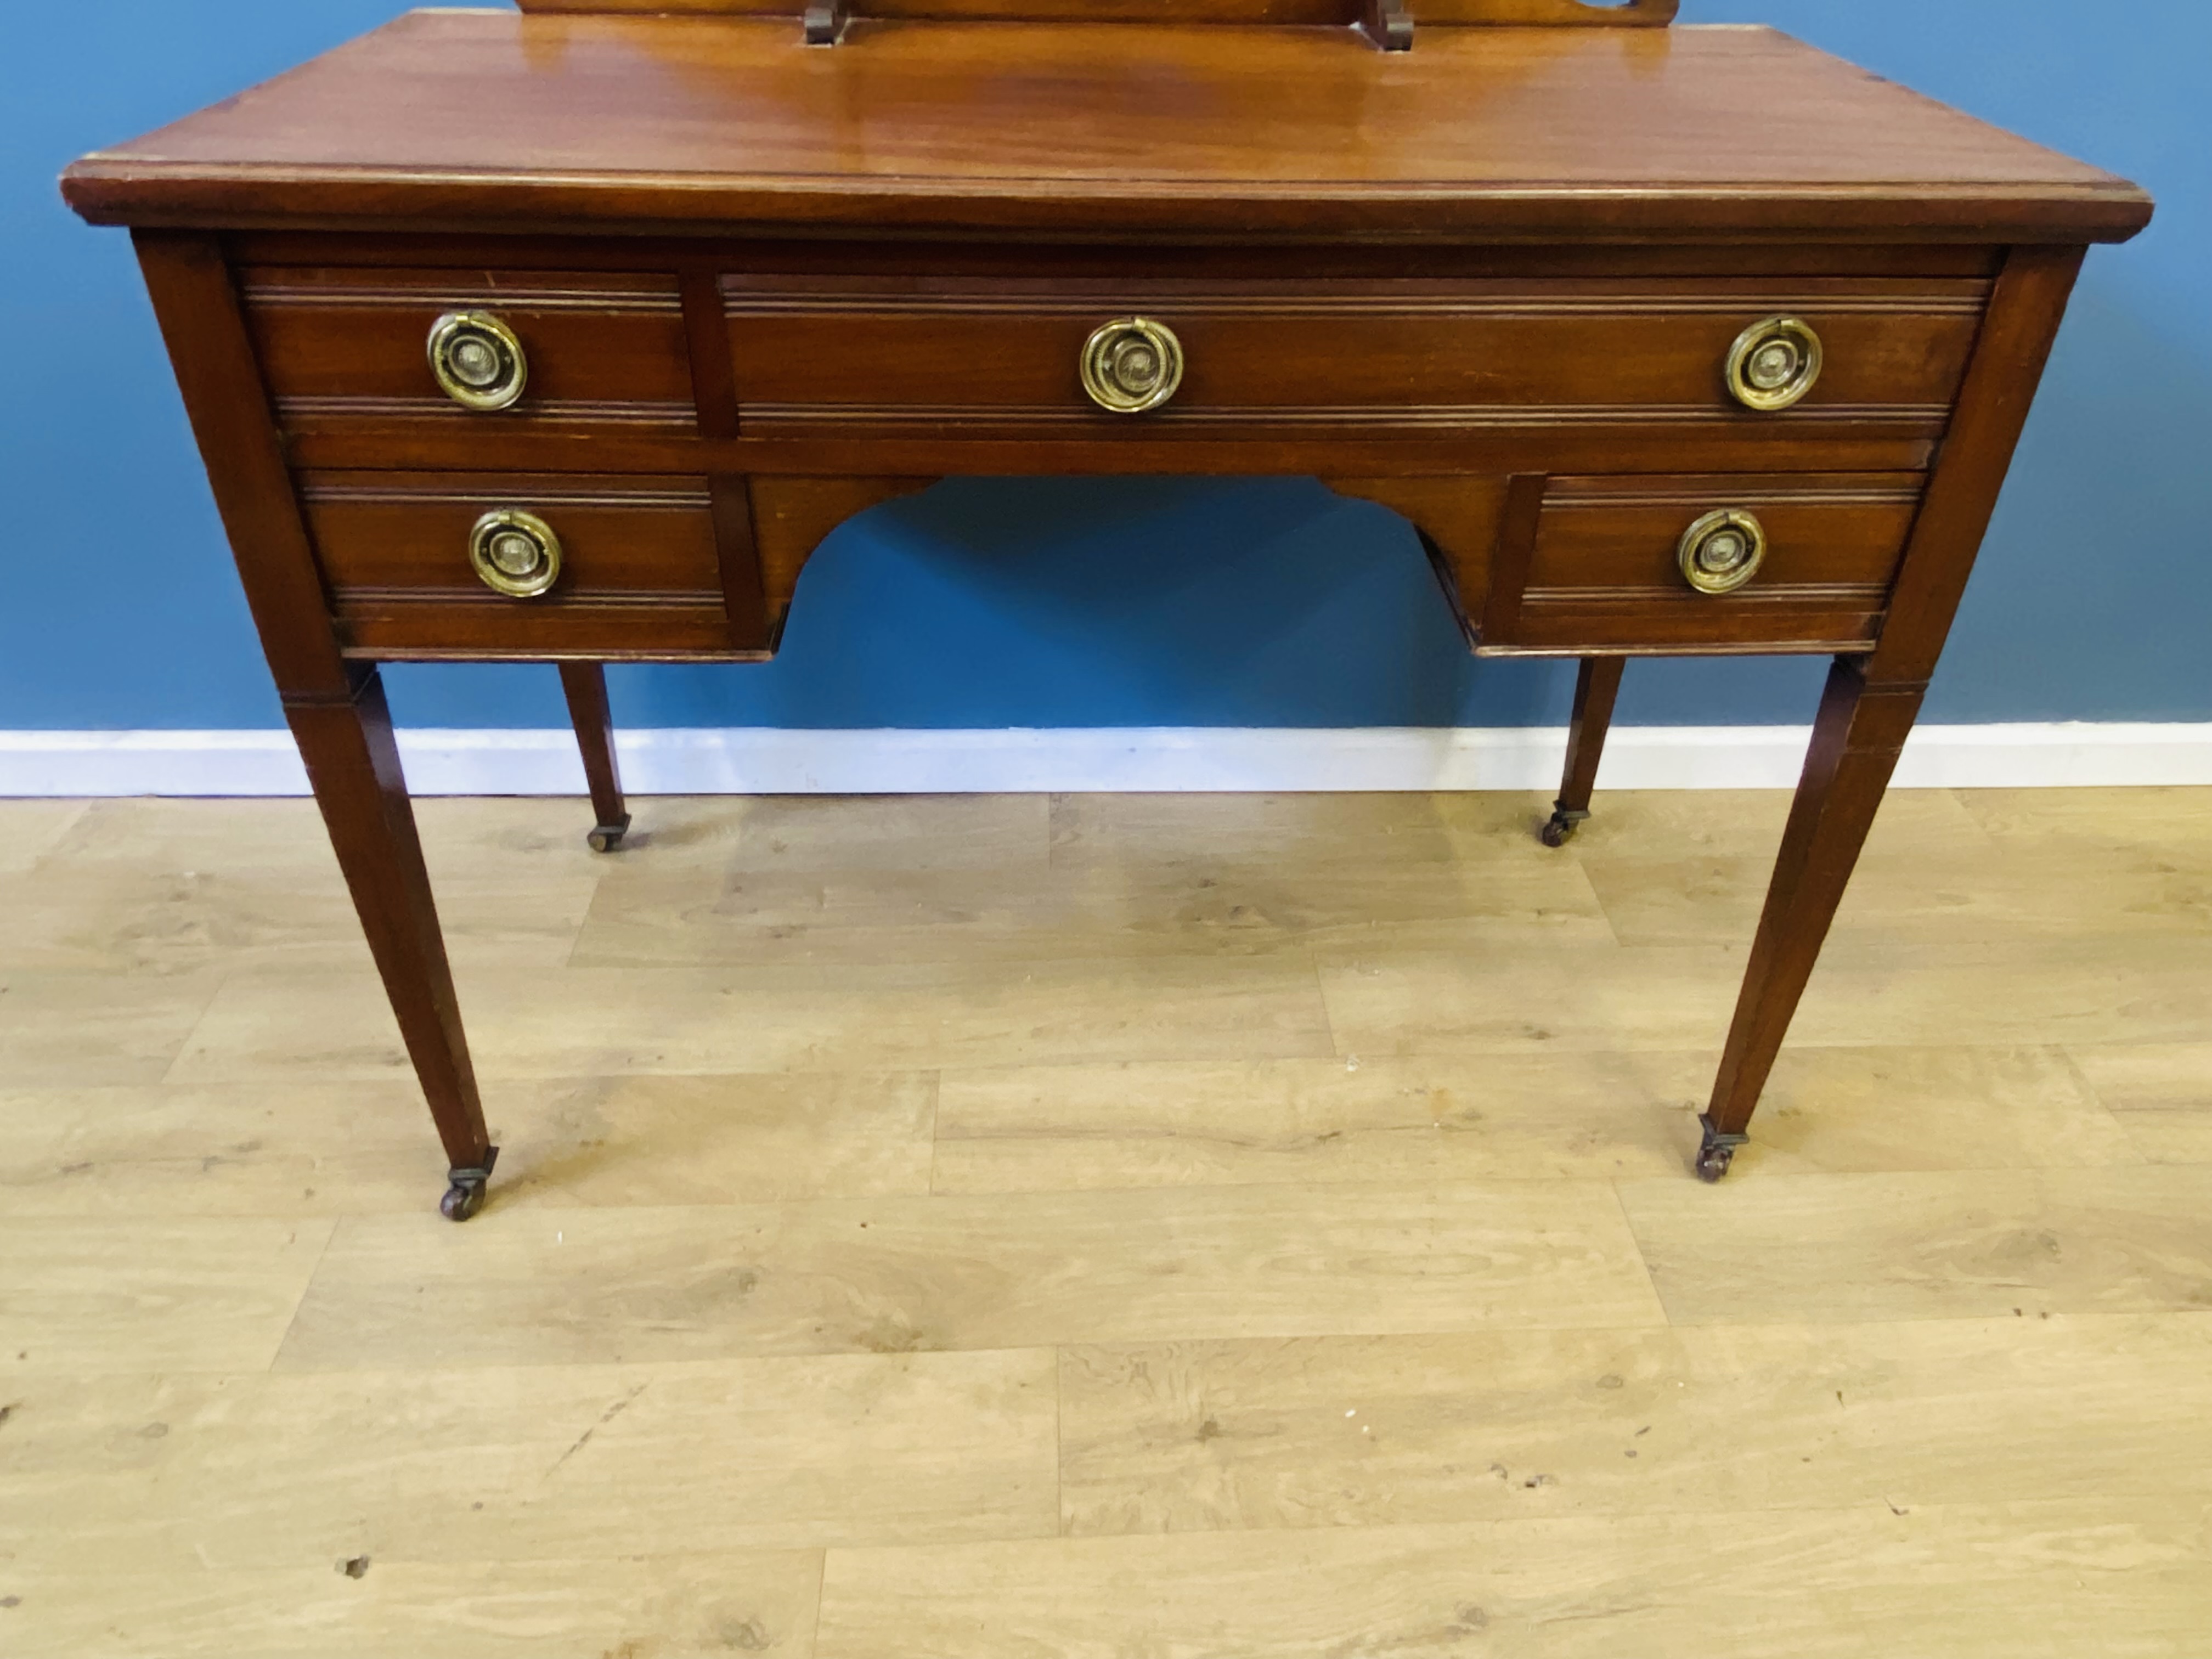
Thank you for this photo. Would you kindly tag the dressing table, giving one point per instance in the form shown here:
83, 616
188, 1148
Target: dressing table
567, 335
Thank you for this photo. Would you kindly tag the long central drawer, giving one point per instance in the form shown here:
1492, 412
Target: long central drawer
858, 353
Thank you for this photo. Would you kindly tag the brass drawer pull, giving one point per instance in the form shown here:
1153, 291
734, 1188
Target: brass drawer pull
515, 552
1774, 364
478, 361
1132, 364
1722, 551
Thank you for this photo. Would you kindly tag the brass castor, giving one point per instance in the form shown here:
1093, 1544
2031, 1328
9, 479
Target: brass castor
608, 837
1560, 829
462, 1201
1715, 1152
465, 1196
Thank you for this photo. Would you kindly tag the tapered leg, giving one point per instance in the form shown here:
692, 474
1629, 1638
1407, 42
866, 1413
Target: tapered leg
586, 684
1855, 741
1595, 686
353, 766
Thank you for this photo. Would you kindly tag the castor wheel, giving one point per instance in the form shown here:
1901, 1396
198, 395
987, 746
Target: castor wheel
608, 837
1560, 829
1715, 1152
462, 1201
465, 1196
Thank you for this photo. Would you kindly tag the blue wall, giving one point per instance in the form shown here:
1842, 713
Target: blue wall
1053, 602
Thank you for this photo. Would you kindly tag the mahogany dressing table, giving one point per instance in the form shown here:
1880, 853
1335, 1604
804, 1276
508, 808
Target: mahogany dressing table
567, 336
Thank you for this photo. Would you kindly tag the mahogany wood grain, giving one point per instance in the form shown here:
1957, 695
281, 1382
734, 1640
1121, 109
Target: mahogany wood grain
473, 120
336, 709
352, 765
1857, 737
1457, 519
394, 549
1591, 563
713, 256
621, 537
584, 684
1370, 444
604, 345
706, 352
1498, 607
344, 353
2022, 325
1869, 709
1597, 686
1604, 566
1638, 621
211, 351
1823, 530
1311, 14
876, 350
407, 625
791, 516
1489, 283
737, 556
1441, 565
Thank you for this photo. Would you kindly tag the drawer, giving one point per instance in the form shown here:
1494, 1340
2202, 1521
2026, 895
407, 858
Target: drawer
346, 353
848, 352
637, 569
1599, 562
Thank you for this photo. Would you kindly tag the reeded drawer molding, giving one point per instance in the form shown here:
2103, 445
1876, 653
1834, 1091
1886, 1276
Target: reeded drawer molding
345, 355
813, 356
494, 491
393, 291
742, 303
783, 296
1568, 493
642, 566
1824, 595
676, 416
1595, 561
361, 596
1915, 417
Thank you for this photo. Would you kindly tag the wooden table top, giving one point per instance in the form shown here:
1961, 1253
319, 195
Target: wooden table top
492, 120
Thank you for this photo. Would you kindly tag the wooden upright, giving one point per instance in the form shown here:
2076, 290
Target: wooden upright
568, 335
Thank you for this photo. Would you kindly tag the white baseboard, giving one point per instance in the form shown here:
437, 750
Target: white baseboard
749, 761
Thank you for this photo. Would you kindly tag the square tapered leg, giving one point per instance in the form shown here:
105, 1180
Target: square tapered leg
586, 686
1596, 685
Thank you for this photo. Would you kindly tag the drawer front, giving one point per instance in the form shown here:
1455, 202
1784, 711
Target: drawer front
1604, 568
346, 353
639, 571
848, 352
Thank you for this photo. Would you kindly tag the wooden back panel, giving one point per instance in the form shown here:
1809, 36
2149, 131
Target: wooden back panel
1627, 13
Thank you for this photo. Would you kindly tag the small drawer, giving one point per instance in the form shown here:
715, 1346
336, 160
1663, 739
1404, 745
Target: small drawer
1689, 564
420, 564
560, 357
956, 354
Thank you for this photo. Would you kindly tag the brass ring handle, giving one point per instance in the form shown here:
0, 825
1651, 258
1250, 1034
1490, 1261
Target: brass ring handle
516, 553
1722, 551
1132, 364
1774, 363
479, 362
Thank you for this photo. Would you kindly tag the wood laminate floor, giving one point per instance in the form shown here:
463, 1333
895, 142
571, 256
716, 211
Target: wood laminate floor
1109, 1228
